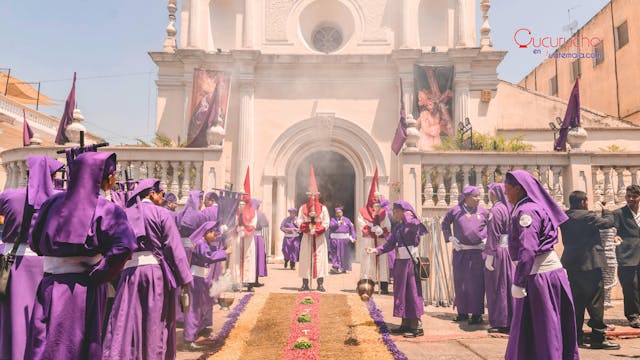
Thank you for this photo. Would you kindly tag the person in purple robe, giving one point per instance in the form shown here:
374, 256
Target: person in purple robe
291, 242
543, 324
142, 321
469, 236
85, 241
207, 251
342, 233
190, 218
407, 293
170, 201
498, 268
210, 210
26, 271
261, 253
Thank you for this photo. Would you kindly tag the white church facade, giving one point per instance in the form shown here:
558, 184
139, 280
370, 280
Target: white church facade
318, 81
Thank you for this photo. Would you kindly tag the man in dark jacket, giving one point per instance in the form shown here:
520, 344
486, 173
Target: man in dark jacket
583, 258
627, 223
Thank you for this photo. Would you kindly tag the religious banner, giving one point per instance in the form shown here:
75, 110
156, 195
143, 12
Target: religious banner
209, 102
432, 108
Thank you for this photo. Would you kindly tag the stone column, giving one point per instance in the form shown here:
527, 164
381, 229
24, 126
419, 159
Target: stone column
460, 33
195, 10
248, 20
245, 132
461, 90
267, 207
281, 212
406, 20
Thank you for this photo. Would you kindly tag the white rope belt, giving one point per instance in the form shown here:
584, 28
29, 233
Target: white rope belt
186, 242
200, 271
340, 236
69, 264
504, 240
473, 247
546, 262
291, 235
140, 258
404, 254
23, 249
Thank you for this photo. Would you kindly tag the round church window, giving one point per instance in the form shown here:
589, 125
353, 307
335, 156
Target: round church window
327, 39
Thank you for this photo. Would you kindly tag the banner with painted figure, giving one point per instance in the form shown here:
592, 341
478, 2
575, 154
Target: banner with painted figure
209, 102
432, 108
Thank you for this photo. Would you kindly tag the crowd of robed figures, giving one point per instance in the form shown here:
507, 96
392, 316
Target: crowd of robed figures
72, 248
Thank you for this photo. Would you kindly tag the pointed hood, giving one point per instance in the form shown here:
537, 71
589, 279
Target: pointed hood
314, 194
368, 211
247, 188
248, 212
313, 186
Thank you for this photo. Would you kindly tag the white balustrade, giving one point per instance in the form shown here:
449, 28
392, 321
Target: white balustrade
173, 166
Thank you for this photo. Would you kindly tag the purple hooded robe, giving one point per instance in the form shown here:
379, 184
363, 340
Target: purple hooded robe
407, 295
26, 271
142, 321
85, 240
543, 324
470, 228
498, 282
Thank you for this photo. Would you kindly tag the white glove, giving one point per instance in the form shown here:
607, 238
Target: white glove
224, 228
352, 239
488, 263
518, 292
455, 242
312, 231
241, 234
378, 231
374, 229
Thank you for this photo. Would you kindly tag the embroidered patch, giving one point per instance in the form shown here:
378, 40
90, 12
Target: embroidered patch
525, 220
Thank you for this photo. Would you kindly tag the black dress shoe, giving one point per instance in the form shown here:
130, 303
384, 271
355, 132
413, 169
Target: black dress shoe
286, 264
605, 345
475, 320
498, 330
400, 330
461, 317
257, 284
250, 288
321, 288
413, 333
206, 332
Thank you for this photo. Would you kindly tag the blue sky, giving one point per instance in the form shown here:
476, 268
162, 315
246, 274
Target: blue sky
107, 42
